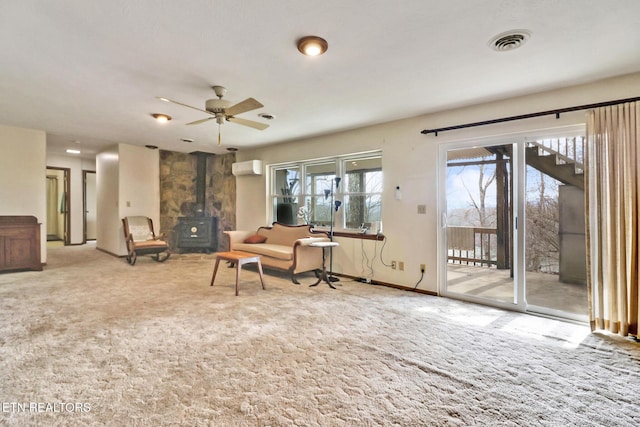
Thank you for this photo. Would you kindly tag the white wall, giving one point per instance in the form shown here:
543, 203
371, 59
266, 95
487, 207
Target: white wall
410, 160
139, 182
23, 176
76, 166
107, 212
127, 183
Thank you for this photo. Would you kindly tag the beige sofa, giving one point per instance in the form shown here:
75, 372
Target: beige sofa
286, 247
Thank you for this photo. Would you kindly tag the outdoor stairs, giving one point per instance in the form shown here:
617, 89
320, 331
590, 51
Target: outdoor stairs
561, 167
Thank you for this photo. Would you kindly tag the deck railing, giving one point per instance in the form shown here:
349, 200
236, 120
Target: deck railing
472, 246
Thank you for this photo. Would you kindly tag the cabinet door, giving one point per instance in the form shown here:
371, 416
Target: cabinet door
20, 249
19, 252
3, 262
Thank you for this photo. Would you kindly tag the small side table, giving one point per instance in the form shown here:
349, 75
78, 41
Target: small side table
239, 259
323, 275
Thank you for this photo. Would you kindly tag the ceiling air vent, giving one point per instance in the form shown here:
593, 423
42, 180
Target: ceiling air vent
509, 40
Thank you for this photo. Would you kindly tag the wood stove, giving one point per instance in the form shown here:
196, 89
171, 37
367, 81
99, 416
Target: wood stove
198, 231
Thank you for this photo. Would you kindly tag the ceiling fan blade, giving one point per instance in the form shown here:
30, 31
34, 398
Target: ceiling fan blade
250, 123
197, 122
184, 105
243, 106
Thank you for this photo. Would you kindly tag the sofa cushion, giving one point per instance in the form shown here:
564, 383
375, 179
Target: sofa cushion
255, 238
287, 235
266, 249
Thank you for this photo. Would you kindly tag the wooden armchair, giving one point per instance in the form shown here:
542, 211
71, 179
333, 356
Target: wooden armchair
142, 240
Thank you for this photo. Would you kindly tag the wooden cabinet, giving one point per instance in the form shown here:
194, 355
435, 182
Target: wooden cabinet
19, 243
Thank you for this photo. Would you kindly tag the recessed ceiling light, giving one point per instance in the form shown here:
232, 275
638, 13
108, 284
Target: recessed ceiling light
151, 147
267, 116
509, 40
232, 149
162, 118
312, 45
188, 140
72, 151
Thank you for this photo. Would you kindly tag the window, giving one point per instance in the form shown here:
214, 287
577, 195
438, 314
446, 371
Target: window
362, 192
303, 192
286, 191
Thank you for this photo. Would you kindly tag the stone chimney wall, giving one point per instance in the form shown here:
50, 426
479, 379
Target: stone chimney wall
178, 192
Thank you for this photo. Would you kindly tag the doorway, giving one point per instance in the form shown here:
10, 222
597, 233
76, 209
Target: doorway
513, 225
58, 204
89, 205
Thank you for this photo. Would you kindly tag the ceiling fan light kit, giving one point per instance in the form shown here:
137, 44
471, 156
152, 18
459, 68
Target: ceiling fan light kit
312, 45
162, 118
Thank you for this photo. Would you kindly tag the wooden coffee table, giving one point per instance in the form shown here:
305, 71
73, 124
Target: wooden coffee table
239, 259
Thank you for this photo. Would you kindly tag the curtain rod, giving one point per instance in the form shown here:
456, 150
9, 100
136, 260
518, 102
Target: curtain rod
531, 115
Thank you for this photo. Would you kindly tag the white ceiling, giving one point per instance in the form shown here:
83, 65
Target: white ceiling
88, 72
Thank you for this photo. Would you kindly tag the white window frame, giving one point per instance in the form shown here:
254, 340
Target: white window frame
340, 167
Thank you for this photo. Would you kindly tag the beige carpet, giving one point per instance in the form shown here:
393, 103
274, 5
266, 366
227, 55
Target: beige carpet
94, 341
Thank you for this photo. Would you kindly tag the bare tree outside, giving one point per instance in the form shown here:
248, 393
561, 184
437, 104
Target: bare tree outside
363, 198
542, 225
486, 217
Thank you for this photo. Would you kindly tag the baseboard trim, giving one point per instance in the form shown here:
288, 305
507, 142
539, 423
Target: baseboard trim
389, 285
110, 253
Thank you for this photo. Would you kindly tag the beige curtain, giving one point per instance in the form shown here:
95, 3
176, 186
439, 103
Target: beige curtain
612, 170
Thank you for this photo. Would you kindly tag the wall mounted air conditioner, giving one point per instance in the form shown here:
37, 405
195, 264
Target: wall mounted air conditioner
250, 167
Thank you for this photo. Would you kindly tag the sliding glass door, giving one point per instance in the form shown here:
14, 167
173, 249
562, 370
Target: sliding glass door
512, 231
477, 224
555, 245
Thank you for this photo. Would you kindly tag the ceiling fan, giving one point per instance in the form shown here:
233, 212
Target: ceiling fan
222, 110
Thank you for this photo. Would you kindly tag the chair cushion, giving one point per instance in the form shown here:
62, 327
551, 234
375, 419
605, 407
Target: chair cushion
139, 228
256, 238
151, 244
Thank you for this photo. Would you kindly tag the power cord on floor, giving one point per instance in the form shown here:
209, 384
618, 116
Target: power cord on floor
365, 261
421, 277
382, 250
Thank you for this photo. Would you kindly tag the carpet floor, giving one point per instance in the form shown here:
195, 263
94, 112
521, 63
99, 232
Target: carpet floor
94, 341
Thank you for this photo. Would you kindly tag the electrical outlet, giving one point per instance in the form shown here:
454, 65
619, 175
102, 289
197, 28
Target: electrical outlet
401, 265
393, 265
423, 268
